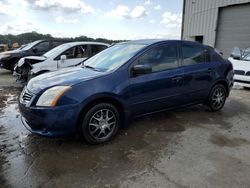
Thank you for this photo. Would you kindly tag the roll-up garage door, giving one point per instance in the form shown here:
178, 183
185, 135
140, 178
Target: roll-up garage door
233, 28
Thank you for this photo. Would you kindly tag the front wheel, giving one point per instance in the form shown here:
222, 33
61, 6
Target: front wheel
100, 123
217, 97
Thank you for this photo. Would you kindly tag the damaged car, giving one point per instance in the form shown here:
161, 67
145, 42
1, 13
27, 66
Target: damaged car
65, 55
9, 59
241, 64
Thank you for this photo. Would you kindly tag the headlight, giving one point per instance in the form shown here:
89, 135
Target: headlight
51, 96
3, 56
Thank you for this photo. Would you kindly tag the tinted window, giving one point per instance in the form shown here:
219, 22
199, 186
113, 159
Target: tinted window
160, 58
42, 47
56, 43
97, 48
194, 54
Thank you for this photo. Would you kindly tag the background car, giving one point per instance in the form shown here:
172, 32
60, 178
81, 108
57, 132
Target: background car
3, 47
241, 64
125, 81
65, 55
9, 59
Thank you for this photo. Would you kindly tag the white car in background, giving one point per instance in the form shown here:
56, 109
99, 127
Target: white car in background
241, 64
65, 55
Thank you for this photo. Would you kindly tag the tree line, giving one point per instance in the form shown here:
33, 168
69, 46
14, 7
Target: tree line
26, 38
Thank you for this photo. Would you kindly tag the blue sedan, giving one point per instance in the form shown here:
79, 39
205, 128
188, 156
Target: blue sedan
127, 80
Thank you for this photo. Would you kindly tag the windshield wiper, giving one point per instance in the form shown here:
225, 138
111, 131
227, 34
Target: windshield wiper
89, 67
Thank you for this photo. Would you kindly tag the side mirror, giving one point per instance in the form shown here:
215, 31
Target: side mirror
141, 69
63, 57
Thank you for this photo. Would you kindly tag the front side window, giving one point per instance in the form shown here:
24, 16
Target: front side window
81, 51
69, 53
160, 58
194, 55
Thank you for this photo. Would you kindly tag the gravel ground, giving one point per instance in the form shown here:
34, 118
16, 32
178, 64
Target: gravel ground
188, 147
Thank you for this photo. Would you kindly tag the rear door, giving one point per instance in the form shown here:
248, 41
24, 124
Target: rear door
199, 72
161, 88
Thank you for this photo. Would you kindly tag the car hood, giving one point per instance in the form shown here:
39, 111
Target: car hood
11, 52
67, 76
34, 59
240, 64
39, 58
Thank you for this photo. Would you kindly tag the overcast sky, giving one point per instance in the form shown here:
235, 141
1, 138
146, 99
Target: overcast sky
112, 19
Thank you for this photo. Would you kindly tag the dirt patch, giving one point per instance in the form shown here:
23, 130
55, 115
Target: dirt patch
222, 140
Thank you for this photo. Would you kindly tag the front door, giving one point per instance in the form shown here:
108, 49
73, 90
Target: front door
74, 56
160, 88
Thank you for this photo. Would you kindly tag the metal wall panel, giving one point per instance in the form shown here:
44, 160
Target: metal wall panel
233, 28
201, 18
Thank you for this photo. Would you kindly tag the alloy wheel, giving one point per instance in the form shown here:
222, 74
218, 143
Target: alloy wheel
218, 97
102, 124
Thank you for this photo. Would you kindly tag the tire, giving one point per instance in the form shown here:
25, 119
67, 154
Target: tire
217, 97
101, 123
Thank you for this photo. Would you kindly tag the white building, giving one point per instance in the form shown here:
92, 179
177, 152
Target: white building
219, 23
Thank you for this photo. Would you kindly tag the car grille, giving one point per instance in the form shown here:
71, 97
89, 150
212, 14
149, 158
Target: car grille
26, 96
239, 72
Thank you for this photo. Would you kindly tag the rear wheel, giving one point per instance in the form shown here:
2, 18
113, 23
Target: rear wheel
217, 97
100, 123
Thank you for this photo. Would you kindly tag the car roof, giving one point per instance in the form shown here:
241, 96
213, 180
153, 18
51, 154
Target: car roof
154, 41
86, 43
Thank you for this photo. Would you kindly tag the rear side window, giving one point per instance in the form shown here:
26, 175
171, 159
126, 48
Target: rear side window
97, 48
194, 55
160, 58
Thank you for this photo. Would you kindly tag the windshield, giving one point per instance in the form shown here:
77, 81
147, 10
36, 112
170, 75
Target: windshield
56, 50
246, 57
30, 45
113, 57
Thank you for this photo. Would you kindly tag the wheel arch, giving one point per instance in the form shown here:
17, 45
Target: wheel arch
102, 99
222, 82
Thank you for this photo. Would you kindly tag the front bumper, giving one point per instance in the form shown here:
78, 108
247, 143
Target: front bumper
1, 64
57, 121
4, 64
242, 80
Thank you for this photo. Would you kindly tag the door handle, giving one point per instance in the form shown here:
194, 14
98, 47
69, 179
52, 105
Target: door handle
176, 79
